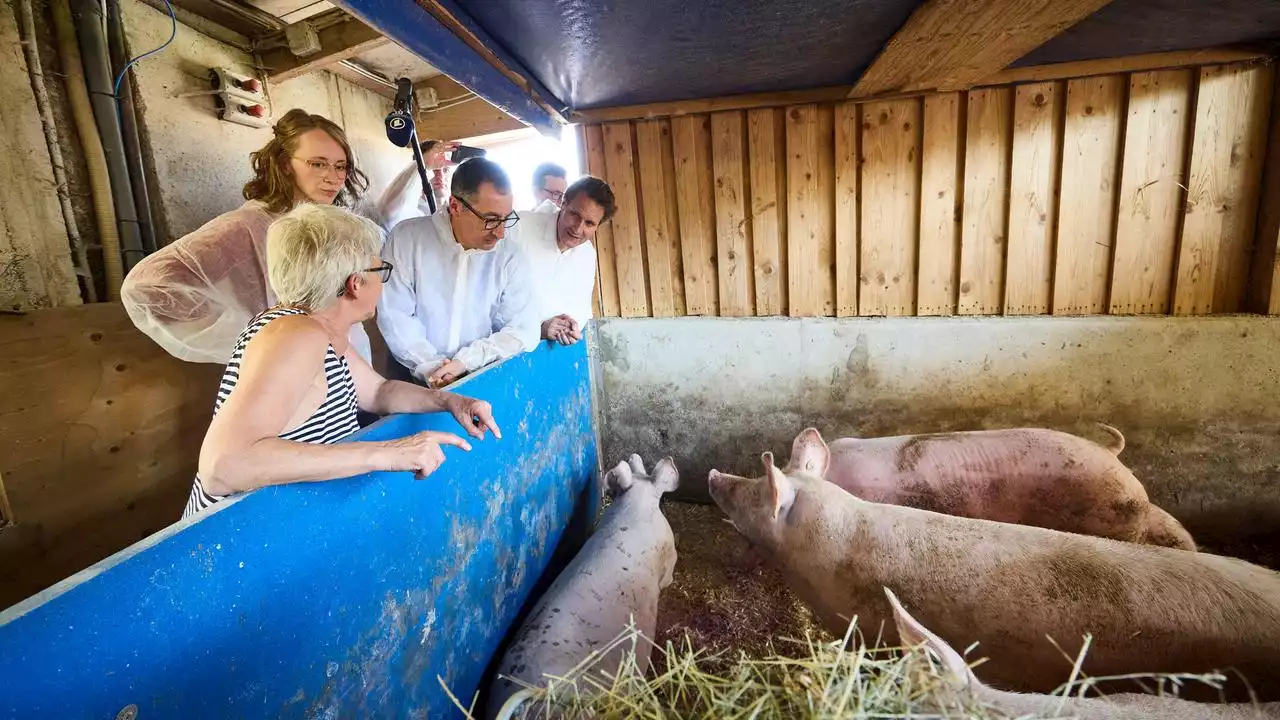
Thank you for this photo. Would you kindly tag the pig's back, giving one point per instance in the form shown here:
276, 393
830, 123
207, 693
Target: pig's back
1028, 476
613, 578
1148, 609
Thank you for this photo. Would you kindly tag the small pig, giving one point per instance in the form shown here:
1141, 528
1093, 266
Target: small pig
1028, 476
962, 688
1149, 609
615, 578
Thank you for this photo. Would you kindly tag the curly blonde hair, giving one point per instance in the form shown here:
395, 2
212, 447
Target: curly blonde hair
274, 186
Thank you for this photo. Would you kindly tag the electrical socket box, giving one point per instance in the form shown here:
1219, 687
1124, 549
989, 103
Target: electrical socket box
233, 109
303, 38
228, 82
239, 98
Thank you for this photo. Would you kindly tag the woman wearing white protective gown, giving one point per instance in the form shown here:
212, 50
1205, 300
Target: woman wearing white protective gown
194, 296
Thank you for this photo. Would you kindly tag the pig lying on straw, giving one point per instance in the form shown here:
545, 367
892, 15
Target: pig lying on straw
1148, 609
611, 585
1028, 476
965, 689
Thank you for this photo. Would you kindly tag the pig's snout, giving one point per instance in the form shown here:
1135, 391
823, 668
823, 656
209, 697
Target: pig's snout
715, 481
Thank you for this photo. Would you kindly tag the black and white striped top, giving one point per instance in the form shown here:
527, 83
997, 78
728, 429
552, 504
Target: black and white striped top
334, 420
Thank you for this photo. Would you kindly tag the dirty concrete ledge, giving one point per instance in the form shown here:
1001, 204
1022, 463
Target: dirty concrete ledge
1195, 397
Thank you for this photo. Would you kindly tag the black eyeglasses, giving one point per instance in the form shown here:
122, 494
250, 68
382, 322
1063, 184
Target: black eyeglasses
555, 195
491, 223
384, 271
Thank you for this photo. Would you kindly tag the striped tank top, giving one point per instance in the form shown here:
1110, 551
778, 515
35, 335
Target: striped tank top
334, 420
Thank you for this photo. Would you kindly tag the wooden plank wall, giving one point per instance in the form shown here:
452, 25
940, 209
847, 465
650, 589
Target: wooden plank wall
100, 431
1132, 193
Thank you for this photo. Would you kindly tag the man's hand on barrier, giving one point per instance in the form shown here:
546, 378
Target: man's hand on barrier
475, 416
446, 374
562, 329
422, 453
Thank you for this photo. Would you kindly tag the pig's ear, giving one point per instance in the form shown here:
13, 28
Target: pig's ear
912, 633
784, 493
665, 475
809, 453
619, 478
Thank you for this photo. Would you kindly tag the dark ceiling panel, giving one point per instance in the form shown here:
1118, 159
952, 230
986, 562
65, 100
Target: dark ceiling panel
599, 53
1136, 27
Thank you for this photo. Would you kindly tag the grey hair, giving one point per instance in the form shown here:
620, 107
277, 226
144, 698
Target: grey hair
313, 249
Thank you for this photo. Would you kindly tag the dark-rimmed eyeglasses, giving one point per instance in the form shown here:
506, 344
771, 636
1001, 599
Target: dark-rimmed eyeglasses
384, 271
556, 196
491, 223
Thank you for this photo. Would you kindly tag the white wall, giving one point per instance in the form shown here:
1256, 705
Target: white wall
201, 163
1196, 397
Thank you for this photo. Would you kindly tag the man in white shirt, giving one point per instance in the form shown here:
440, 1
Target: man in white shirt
549, 180
560, 250
404, 199
460, 298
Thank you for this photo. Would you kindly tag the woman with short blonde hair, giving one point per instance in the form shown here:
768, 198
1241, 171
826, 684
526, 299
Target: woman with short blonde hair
293, 384
195, 295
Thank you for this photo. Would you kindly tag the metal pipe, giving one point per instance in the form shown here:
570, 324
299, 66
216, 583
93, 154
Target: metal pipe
91, 142
91, 31
36, 71
129, 127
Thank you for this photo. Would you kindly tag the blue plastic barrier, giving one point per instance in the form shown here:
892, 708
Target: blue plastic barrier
356, 598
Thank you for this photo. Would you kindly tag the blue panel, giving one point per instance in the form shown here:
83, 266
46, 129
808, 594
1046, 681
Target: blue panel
340, 599
595, 53
1135, 27
417, 31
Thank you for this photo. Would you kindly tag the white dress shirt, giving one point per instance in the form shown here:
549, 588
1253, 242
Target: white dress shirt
443, 302
563, 280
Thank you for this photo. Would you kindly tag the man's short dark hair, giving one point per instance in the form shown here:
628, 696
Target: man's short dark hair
596, 189
541, 172
468, 177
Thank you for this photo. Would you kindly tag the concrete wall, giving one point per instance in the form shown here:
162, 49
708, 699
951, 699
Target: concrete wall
201, 163
1196, 398
35, 257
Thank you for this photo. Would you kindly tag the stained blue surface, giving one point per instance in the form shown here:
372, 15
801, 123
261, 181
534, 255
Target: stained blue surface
333, 600
596, 53
413, 28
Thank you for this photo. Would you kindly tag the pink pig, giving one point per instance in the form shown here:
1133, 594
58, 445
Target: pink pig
1027, 476
1011, 587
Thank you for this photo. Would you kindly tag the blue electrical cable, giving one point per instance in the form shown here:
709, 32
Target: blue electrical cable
173, 20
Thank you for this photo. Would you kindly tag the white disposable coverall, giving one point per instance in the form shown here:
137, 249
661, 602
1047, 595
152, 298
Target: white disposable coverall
194, 296
563, 281
443, 302
546, 206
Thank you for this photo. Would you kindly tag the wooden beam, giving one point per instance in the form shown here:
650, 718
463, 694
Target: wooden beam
1132, 63
680, 108
953, 44
343, 39
464, 32
241, 18
472, 118
364, 78
1031, 73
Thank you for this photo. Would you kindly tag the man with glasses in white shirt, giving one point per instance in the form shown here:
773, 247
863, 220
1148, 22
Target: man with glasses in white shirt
559, 248
460, 298
549, 181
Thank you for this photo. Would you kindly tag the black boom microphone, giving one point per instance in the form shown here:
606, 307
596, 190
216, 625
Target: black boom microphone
401, 132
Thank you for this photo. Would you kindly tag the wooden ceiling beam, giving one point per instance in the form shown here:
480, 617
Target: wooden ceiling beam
363, 77
341, 38
954, 44
462, 113
1030, 73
